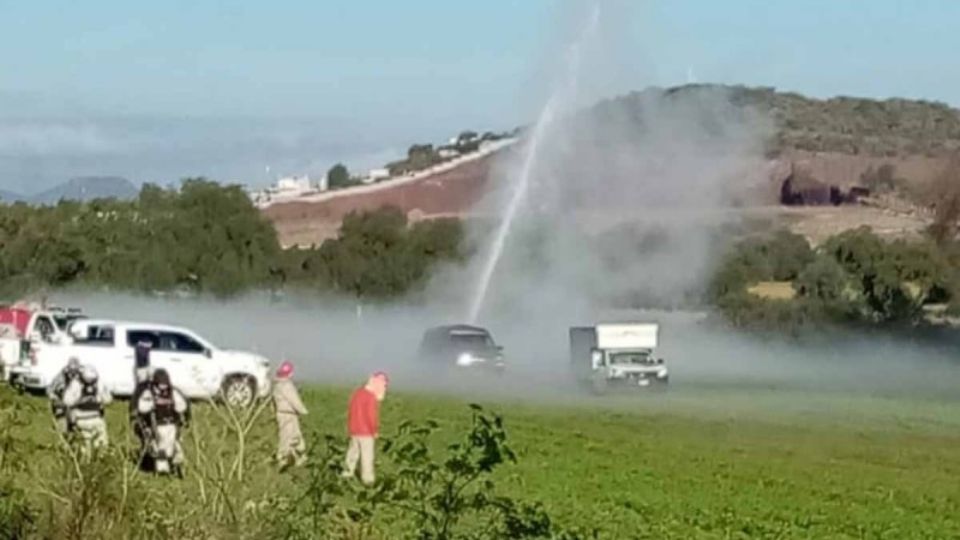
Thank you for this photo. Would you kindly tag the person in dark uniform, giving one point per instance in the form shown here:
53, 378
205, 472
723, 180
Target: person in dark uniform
55, 393
141, 361
142, 378
168, 411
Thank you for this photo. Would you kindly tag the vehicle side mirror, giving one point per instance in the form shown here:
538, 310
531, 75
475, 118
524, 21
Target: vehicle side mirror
208, 353
596, 358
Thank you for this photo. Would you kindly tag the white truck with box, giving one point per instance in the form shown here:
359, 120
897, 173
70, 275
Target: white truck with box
197, 368
618, 355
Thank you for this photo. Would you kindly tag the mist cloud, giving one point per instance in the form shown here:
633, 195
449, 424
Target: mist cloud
36, 154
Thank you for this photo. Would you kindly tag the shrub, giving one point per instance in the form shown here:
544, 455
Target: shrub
17, 517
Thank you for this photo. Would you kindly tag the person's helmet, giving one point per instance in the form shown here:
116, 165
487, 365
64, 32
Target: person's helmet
285, 370
88, 374
73, 363
161, 377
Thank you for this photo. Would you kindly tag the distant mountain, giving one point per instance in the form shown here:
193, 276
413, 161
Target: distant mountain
86, 188
82, 188
10, 197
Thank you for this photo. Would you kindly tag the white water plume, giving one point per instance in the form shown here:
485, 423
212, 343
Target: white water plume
565, 93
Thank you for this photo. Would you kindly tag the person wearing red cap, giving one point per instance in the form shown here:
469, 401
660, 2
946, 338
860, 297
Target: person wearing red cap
291, 448
363, 424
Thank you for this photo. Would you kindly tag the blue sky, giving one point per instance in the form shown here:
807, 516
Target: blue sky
158, 90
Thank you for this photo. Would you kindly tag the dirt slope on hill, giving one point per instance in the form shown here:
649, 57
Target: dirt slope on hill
448, 193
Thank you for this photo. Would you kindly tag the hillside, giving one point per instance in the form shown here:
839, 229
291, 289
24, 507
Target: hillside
451, 192
838, 141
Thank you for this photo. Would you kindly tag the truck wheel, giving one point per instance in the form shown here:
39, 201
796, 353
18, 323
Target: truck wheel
238, 391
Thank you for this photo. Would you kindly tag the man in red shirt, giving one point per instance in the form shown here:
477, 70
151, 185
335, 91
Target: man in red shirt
363, 424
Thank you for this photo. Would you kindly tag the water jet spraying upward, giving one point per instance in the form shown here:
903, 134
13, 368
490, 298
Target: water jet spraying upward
564, 94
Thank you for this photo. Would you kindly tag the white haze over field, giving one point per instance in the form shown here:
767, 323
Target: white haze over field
330, 342
620, 215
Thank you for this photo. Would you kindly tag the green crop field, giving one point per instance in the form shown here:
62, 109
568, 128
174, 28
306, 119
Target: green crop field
697, 463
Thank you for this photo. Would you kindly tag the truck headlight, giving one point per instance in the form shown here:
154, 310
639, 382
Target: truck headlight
465, 359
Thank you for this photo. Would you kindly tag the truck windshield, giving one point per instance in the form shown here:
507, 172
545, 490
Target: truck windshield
96, 335
63, 321
630, 358
471, 340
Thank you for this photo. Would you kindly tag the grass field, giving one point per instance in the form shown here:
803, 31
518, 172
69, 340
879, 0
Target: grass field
697, 463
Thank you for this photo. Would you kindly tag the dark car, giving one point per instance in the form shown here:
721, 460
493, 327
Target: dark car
462, 345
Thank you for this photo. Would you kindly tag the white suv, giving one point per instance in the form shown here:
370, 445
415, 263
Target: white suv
197, 367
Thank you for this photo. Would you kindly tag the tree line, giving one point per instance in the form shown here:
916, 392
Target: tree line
208, 238
854, 278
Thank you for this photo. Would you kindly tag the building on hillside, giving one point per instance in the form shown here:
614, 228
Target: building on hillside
376, 175
288, 187
293, 184
446, 152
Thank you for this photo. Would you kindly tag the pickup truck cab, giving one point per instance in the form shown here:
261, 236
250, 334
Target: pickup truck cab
198, 368
463, 346
21, 328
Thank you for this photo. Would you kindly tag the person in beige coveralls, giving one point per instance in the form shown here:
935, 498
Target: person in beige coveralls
291, 447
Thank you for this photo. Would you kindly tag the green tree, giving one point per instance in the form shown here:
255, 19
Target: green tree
787, 254
376, 254
338, 177
895, 279
823, 280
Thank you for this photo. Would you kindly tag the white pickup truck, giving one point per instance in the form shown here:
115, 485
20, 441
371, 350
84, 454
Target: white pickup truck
23, 327
198, 368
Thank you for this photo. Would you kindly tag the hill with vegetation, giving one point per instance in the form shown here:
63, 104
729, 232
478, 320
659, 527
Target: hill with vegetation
885, 145
846, 125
